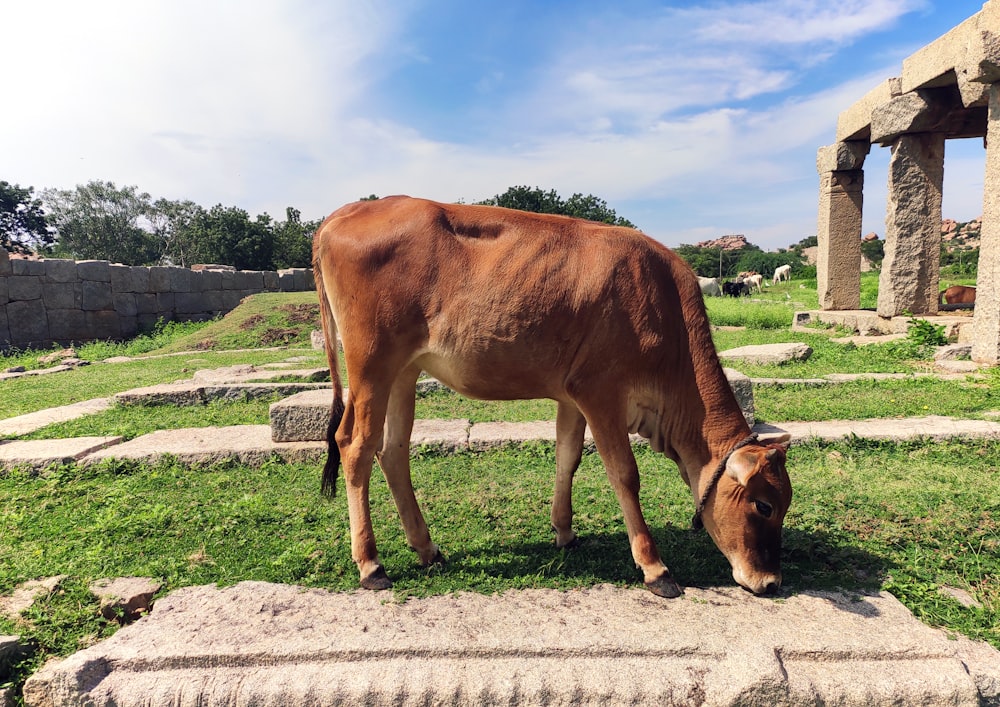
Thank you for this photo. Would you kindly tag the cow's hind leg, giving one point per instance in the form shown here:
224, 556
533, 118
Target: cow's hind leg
394, 458
611, 435
570, 427
358, 438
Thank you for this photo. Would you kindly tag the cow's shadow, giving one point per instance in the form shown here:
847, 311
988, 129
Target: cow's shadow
811, 561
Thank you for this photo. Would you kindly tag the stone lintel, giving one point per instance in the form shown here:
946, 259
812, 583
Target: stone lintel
923, 111
936, 63
855, 122
842, 156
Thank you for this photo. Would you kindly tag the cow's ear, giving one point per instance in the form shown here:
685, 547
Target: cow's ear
741, 465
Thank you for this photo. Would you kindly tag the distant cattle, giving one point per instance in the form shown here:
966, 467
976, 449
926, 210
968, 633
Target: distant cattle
782, 272
755, 282
501, 305
958, 294
709, 286
736, 288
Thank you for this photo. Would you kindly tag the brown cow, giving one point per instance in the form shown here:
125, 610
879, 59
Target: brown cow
501, 305
957, 294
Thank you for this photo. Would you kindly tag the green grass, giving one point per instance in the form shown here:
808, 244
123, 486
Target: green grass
907, 517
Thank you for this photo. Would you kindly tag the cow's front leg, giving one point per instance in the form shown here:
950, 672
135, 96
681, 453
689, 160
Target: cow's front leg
623, 473
358, 439
570, 428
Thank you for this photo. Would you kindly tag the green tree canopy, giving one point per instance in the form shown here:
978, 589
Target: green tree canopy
99, 221
293, 240
226, 235
534, 199
23, 225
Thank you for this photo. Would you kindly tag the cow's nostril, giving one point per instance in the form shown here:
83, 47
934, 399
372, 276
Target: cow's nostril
771, 588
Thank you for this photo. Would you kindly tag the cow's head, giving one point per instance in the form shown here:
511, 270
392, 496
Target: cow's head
746, 510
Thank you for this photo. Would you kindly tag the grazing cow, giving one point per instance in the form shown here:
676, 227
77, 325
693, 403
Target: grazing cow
501, 305
782, 272
958, 294
754, 282
709, 286
735, 288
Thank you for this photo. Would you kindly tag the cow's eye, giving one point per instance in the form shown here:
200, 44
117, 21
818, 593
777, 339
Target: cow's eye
764, 509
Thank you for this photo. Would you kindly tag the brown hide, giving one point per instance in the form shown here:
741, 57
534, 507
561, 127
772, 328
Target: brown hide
957, 294
501, 304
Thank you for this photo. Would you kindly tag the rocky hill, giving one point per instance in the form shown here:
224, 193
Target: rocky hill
731, 242
961, 235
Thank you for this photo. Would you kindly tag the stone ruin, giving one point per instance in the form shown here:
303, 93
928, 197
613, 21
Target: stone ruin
948, 89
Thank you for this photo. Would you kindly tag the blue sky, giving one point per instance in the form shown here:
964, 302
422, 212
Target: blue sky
692, 119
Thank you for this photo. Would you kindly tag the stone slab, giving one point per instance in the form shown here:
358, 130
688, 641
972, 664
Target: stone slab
854, 123
931, 427
25, 424
40, 453
267, 644
763, 354
247, 444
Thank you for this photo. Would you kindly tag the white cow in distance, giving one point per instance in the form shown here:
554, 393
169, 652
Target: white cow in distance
783, 272
710, 286
754, 282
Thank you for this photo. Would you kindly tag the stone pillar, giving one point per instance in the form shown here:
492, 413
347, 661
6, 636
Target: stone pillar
838, 231
986, 319
910, 270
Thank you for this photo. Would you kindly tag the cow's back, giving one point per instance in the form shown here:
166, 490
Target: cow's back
506, 304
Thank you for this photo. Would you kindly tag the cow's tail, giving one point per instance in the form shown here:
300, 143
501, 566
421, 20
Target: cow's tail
329, 485
941, 296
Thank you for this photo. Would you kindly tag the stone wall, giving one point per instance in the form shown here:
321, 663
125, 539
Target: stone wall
43, 302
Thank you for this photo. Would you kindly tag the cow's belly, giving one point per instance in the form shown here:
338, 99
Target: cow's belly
487, 377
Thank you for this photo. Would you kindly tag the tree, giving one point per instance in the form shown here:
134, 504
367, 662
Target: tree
226, 235
23, 225
173, 225
549, 202
99, 221
293, 240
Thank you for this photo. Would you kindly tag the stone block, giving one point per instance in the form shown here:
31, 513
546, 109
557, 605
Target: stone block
189, 303
63, 295
210, 280
228, 279
181, 280
96, 296
125, 304
765, 354
855, 122
27, 321
159, 279
121, 279
286, 281
68, 324
25, 287
33, 268
915, 112
231, 299
165, 304
4, 290
146, 303
838, 264
212, 301
303, 417
933, 64
4, 328
59, 270
96, 270
842, 156
103, 324
5, 268
140, 278
270, 281
250, 280
743, 390
125, 598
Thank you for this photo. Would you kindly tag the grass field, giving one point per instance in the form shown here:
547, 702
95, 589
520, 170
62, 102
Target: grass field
908, 518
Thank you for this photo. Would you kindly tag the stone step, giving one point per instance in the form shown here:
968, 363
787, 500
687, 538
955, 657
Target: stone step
256, 643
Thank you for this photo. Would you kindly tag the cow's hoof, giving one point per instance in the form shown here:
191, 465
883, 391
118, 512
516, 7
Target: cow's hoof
377, 580
664, 586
